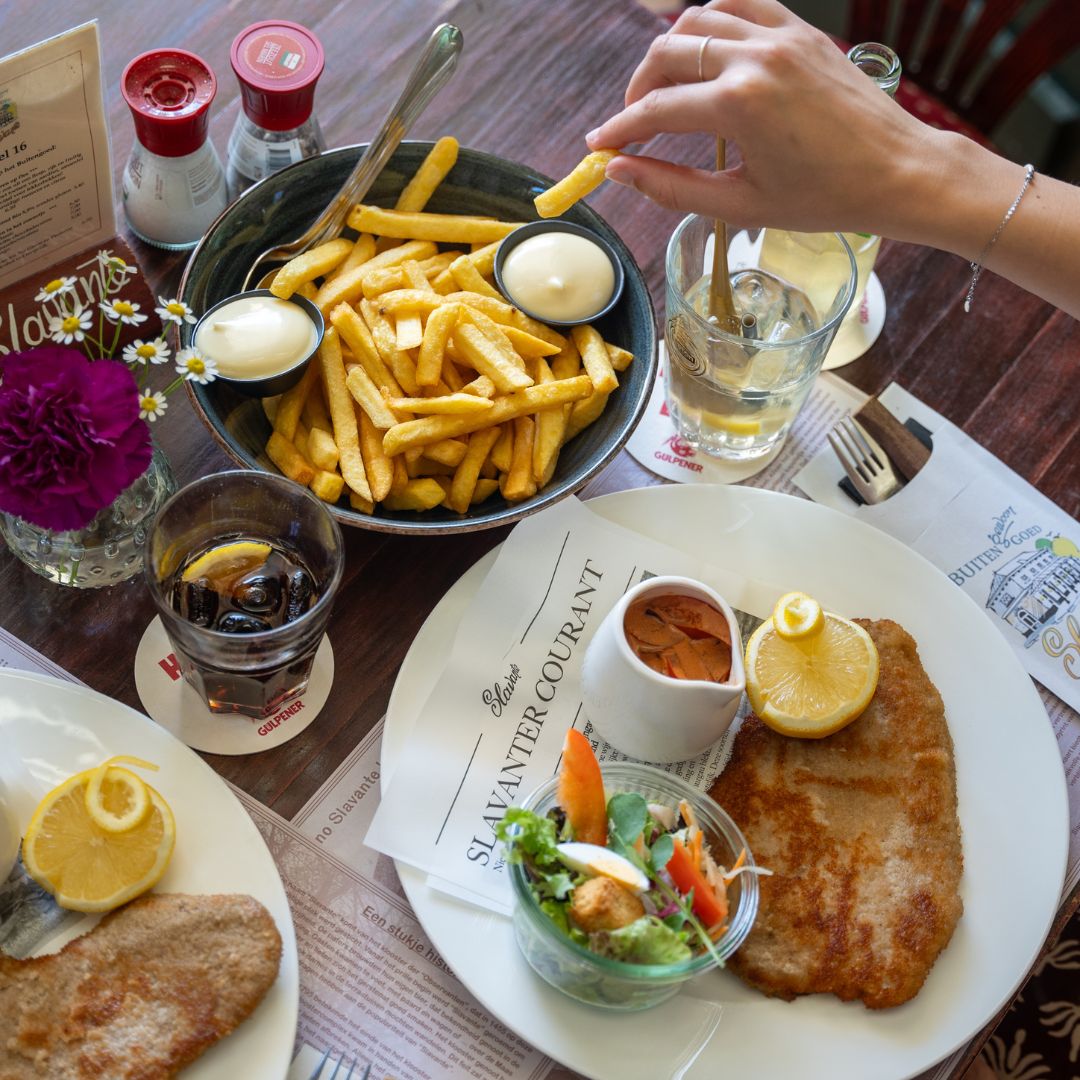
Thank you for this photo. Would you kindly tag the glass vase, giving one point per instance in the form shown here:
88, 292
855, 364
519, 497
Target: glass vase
110, 548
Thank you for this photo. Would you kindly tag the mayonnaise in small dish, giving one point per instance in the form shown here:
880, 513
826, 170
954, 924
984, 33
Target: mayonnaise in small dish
558, 276
254, 337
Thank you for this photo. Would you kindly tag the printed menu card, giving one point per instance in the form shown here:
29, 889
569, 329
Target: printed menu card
494, 725
56, 196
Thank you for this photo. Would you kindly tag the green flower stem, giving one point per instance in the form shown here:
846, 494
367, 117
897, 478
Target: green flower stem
178, 381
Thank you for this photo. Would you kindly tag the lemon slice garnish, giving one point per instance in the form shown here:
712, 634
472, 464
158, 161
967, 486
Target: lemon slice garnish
797, 615
86, 867
814, 685
117, 799
221, 564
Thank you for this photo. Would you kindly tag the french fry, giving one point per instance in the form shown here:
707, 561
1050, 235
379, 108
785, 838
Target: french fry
289, 460
484, 490
491, 329
342, 414
348, 287
594, 356
518, 483
360, 504
307, 290
586, 176
528, 345
366, 394
445, 404
292, 402
300, 441
482, 386
443, 283
503, 449
328, 486
422, 494
451, 376
401, 475
378, 467
448, 452
484, 258
309, 266
620, 359
428, 429
483, 355
441, 158
441, 228
584, 413
401, 363
567, 363
426, 467
468, 471
270, 407
409, 330
429, 362
469, 279
355, 333
362, 250
550, 431
322, 450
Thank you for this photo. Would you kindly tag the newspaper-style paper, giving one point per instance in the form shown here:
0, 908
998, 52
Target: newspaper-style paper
1011, 549
494, 725
371, 983
56, 194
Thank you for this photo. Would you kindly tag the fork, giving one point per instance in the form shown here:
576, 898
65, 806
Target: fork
318, 1073
433, 69
866, 464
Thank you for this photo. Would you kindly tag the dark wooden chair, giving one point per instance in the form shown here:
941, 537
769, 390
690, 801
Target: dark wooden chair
951, 59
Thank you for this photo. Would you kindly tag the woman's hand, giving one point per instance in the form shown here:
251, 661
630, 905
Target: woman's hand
822, 147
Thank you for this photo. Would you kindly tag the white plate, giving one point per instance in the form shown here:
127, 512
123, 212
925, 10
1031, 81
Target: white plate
1012, 797
50, 729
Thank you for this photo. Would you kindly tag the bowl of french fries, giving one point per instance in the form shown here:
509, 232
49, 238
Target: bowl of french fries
434, 405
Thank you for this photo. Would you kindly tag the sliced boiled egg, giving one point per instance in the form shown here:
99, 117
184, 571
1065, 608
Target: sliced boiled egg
600, 862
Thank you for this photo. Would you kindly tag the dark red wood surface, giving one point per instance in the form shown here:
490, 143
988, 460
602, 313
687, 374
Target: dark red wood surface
535, 77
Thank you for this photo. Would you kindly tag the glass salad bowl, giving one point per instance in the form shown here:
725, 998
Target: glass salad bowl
618, 984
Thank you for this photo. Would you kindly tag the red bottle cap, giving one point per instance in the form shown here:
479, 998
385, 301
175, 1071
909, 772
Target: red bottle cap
278, 64
169, 93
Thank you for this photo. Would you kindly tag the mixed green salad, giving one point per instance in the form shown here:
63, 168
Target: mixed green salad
629, 880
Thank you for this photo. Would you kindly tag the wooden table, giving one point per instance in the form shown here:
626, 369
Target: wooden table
534, 78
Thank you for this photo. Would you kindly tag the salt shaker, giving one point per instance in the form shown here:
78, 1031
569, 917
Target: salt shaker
173, 185
278, 64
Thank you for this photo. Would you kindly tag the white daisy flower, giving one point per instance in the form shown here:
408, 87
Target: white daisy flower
174, 311
195, 367
123, 311
151, 406
108, 261
64, 329
143, 352
57, 287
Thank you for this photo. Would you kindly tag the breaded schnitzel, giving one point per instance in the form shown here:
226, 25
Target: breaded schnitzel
151, 987
861, 832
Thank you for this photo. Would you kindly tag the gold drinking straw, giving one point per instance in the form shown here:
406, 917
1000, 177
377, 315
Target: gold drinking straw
721, 299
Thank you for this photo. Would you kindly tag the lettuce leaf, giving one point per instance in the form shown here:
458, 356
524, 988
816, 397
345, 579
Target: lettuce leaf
645, 941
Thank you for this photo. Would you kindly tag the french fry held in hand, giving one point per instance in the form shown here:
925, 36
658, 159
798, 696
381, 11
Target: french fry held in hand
585, 177
430, 389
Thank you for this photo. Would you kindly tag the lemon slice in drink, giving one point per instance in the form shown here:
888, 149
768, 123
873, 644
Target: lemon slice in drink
813, 685
228, 562
733, 425
797, 615
86, 867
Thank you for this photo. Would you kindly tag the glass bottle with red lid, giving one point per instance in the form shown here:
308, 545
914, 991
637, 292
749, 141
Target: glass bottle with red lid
278, 64
173, 183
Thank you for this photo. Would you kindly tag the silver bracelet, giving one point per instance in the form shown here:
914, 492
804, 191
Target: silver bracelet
977, 265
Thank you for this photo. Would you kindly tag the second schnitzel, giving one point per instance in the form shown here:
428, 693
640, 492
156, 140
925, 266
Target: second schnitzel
861, 832
140, 996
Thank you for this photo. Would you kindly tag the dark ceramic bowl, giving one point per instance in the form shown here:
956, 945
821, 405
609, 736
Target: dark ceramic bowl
282, 206
550, 225
270, 385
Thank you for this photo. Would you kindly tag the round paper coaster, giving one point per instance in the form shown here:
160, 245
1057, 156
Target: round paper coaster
656, 445
856, 335
168, 699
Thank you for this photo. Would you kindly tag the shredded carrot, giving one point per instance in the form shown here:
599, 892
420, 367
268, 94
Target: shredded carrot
738, 862
695, 849
717, 932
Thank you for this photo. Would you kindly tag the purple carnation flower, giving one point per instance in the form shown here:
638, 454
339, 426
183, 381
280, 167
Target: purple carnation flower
70, 436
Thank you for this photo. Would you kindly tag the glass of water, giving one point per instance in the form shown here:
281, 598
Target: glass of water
737, 396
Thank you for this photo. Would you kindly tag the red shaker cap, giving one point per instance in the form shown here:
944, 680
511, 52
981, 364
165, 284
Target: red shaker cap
278, 64
169, 93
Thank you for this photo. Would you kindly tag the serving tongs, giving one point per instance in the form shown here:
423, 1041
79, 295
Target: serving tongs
429, 76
